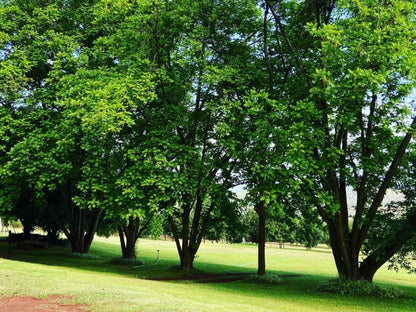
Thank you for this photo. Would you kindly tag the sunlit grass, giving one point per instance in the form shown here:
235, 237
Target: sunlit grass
105, 286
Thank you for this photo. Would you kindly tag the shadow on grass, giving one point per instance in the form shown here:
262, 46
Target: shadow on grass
226, 278
101, 259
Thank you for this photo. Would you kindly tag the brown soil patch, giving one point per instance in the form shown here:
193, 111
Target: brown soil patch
31, 304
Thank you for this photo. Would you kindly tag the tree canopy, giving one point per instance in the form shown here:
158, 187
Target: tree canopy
119, 111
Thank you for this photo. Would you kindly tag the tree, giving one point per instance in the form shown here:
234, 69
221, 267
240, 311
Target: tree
199, 63
392, 236
109, 97
261, 143
81, 103
29, 38
226, 222
354, 69
298, 222
262, 129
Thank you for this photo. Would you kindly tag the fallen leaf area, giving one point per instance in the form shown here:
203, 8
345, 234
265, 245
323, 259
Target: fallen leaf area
31, 304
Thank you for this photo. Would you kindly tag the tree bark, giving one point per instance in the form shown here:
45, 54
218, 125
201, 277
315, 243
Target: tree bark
128, 242
81, 239
346, 261
92, 228
261, 211
187, 258
381, 255
190, 239
378, 257
27, 227
128, 237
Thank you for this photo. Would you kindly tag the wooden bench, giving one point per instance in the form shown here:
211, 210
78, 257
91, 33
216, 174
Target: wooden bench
25, 244
28, 244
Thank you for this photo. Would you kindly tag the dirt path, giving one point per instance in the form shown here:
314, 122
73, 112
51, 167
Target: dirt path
31, 304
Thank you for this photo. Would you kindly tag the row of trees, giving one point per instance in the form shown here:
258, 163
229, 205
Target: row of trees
120, 111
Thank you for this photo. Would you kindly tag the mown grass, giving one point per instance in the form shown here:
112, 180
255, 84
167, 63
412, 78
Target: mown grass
104, 285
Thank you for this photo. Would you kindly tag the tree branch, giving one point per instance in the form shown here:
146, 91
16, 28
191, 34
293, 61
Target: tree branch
386, 181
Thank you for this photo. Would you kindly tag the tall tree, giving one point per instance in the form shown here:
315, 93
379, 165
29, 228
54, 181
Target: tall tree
82, 104
201, 62
30, 36
106, 99
262, 130
258, 130
354, 67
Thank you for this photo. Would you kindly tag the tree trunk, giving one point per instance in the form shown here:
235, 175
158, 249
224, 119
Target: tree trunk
367, 272
349, 267
130, 233
89, 236
381, 255
261, 211
346, 245
345, 261
128, 241
27, 227
188, 242
77, 244
81, 239
53, 235
187, 259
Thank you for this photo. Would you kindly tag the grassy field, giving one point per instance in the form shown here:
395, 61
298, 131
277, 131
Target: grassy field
96, 281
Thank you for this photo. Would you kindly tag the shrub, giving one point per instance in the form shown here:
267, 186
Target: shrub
84, 256
268, 278
125, 261
359, 288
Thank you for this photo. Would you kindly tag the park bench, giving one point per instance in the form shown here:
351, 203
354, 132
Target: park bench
24, 244
29, 244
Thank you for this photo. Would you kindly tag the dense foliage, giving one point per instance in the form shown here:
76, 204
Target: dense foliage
137, 116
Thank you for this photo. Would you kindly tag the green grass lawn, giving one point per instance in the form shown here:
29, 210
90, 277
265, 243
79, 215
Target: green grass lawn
103, 286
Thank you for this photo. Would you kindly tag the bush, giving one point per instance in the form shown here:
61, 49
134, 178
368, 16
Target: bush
84, 256
123, 261
358, 288
268, 278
